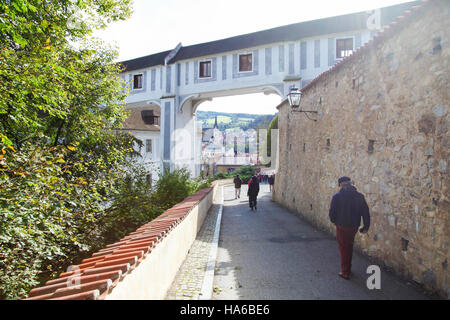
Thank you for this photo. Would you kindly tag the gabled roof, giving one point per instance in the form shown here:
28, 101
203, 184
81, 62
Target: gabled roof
135, 121
292, 32
145, 62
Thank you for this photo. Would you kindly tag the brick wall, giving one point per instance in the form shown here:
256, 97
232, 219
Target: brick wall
383, 118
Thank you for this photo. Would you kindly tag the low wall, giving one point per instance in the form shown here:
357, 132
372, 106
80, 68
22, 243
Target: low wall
154, 276
142, 265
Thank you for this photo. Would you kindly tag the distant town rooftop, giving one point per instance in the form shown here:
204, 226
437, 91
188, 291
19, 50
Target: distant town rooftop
234, 161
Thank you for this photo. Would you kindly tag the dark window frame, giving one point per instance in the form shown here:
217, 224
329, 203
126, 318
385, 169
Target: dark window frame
149, 117
138, 81
343, 47
243, 63
202, 72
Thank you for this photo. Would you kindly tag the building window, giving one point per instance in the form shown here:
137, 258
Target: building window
137, 81
148, 144
205, 69
245, 62
344, 47
149, 118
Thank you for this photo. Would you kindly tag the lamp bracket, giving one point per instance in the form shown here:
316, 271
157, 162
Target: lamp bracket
305, 112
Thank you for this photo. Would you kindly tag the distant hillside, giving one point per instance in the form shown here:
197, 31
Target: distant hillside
225, 120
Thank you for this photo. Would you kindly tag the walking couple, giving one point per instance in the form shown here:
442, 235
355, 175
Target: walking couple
253, 190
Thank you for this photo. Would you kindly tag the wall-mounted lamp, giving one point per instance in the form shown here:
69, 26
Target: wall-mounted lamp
294, 98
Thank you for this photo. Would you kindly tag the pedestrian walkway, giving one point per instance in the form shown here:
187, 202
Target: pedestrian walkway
273, 254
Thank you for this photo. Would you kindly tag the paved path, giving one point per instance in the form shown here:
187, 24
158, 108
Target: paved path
274, 254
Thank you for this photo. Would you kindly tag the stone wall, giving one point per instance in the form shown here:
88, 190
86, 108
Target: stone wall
382, 120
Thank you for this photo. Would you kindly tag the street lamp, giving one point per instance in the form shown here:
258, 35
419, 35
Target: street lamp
294, 98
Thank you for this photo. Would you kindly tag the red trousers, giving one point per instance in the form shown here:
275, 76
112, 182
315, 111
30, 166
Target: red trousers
345, 237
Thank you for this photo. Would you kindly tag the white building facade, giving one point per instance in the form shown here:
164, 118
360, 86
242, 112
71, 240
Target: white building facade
271, 61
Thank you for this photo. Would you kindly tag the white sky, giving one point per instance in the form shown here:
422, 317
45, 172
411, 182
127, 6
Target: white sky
159, 25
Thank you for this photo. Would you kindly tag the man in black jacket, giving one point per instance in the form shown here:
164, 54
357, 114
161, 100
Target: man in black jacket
252, 193
237, 186
346, 209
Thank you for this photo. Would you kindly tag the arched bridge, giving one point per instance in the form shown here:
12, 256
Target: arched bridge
269, 61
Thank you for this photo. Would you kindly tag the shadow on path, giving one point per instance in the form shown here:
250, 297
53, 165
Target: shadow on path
273, 254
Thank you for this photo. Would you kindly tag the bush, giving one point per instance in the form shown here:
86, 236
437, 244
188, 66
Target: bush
172, 187
56, 210
131, 208
221, 175
137, 205
245, 172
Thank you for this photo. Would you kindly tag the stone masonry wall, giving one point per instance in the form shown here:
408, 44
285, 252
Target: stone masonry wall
383, 118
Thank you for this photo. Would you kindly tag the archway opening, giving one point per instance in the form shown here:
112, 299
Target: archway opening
234, 131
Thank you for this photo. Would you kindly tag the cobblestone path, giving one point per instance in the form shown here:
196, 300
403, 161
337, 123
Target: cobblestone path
188, 282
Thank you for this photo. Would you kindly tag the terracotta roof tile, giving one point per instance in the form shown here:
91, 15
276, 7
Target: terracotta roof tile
99, 274
89, 295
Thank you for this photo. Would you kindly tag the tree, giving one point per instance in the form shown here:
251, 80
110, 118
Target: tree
61, 162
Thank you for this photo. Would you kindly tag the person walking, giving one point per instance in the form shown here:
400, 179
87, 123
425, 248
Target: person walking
252, 193
346, 209
237, 186
271, 182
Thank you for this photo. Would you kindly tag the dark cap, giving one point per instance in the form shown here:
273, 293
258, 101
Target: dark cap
343, 179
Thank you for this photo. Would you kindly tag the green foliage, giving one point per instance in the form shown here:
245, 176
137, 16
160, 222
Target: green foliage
132, 207
225, 121
48, 85
222, 175
173, 187
200, 183
69, 183
245, 173
61, 163
50, 201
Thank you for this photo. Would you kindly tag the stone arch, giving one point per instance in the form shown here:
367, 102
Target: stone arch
273, 89
154, 102
195, 100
